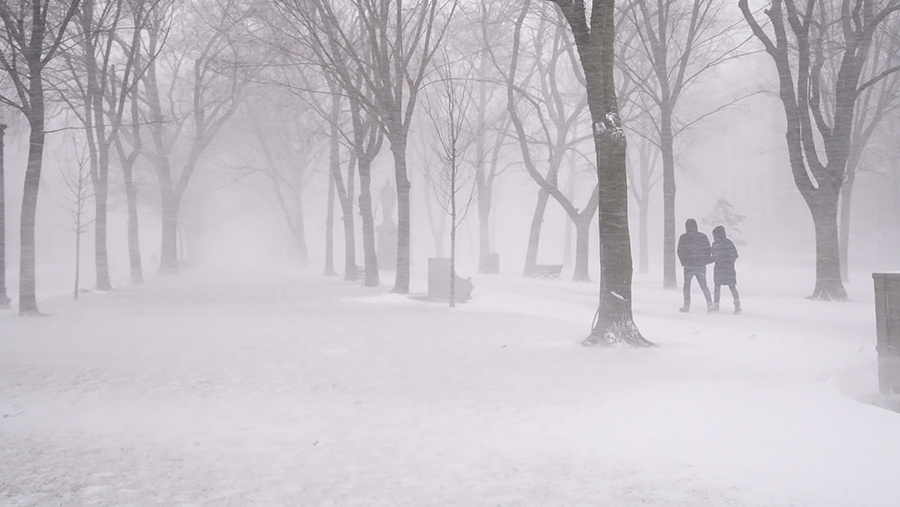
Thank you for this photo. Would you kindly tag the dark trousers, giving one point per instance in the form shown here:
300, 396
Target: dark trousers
718, 291
689, 273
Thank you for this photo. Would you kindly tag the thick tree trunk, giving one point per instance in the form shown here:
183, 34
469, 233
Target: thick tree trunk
844, 227
329, 229
534, 236
300, 234
98, 141
347, 217
582, 248
643, 237
614, 322
131, 192
134, 242
484, 237
398, 149
27, 276
567, 243
481, 178
350, 271
437, 225
4, 299
668, 159
168, 255
828, 267
101, 193
368, 223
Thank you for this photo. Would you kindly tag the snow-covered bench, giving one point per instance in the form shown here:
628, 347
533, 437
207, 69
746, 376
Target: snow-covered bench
546, 270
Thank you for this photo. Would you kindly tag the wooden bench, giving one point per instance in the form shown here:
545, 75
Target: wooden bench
545, 271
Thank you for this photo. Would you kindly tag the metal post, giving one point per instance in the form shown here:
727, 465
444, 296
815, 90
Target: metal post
4, 300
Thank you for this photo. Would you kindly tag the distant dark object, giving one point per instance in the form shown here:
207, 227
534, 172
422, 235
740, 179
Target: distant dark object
887, 319
492, 264
545, 271
439, 282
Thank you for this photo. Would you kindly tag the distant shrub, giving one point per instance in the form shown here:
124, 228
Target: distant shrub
723, 214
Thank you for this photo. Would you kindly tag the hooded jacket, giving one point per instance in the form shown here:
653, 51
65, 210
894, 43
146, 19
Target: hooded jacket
693, 246
725, 253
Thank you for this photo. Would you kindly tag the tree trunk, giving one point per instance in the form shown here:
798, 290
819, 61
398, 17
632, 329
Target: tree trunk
77, 255
300, 234
134, 243
437, 226
168, 256
614, 322
481, 178
4, 299
534, 237
453, 223
582, 248
350, 271
570, 224
668, 160
329, 228
346, 200
368, 223
27, 278
643, 237
828, 266
98, 143
398, 149
484, 230
844, 228
101, 193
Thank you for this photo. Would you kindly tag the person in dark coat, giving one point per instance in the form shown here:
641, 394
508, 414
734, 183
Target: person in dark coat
694, 254
724, 254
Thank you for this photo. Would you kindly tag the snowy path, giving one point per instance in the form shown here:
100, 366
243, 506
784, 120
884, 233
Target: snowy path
300, 390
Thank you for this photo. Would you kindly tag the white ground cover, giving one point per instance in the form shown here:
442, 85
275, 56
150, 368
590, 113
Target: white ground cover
296, 389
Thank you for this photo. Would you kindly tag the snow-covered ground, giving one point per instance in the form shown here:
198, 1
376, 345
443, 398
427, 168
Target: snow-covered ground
296, 389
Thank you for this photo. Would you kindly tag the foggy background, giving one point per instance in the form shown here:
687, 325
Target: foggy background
229, 217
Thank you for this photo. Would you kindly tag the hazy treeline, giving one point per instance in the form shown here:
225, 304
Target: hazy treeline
437, 124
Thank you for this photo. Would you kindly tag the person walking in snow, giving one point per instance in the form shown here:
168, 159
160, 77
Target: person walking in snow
724, 254
694, 254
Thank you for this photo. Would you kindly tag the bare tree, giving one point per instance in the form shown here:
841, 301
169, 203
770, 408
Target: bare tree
453, 182
128, 153
642, 178
874, 105
492, 113
124, 109
400, 41
594, 36
819, 133
78, 195
30, 38
286, 135
101, 67
554, 113
317, 27
198, 81
637, 118
679, 41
